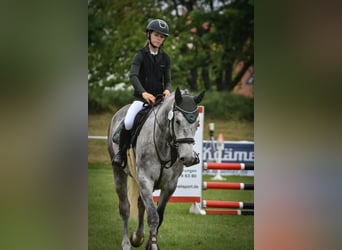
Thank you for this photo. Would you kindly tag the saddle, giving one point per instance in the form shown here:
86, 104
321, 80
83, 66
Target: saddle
139, 121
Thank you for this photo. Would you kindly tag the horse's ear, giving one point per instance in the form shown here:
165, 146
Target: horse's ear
199, 98
178, 96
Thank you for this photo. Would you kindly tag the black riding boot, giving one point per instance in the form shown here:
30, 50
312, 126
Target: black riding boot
125, 137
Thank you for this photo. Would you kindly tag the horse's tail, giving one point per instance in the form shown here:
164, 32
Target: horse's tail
133, 195
133, 188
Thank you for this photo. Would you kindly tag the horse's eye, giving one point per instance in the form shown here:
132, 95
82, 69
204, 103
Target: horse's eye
178, 122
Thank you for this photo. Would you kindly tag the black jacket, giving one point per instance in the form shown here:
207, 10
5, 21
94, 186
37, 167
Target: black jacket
150, 73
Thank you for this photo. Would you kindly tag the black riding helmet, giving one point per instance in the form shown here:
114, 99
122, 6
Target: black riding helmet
159, 26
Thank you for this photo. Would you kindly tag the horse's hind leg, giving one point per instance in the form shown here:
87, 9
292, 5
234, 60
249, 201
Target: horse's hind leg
137, 238
120, 179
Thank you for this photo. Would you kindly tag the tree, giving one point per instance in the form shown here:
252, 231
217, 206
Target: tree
220, 35
115, 33
207, 38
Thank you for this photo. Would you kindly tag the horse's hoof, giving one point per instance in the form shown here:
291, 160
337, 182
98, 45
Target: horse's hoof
154, 246
135, 241
126, 245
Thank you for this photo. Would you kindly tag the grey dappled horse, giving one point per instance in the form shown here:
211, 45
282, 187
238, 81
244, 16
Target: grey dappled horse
164, 146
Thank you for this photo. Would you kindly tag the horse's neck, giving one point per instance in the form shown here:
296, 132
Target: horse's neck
162, 119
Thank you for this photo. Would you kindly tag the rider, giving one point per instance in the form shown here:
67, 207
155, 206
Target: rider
150, 75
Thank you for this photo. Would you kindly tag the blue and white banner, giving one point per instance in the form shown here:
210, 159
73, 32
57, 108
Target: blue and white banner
233, 151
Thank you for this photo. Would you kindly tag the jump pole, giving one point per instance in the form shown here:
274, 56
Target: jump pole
230, 212
227, 166
227, 185
227, 204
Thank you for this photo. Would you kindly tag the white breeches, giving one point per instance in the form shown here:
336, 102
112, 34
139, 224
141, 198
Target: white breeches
133, 110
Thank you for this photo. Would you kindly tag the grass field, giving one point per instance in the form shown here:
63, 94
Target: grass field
180, 229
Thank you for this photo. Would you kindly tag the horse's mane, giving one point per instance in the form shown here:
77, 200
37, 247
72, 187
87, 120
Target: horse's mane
168, 102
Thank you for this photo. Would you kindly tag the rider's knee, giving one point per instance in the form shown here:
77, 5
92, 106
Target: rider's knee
128, 123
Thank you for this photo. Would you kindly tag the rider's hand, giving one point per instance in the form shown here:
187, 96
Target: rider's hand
150, 99
166, 93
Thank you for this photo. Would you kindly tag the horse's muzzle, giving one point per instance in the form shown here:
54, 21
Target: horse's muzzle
190, 161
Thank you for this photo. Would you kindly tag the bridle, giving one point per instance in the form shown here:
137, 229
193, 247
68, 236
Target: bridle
171, 124
191, 116
174, 144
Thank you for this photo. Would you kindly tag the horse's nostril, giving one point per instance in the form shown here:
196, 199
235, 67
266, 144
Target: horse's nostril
182, 158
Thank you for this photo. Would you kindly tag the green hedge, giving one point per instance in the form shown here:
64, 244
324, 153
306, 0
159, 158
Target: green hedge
223, 105
226, 105
100, 100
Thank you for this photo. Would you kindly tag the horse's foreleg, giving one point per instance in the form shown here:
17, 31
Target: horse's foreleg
120, 179
153, 222
163, 199
137, 238
146, 190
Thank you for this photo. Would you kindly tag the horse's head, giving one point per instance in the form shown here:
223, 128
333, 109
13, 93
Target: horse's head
184, 121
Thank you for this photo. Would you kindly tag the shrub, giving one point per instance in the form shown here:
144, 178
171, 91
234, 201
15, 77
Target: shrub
227, 105
223, 105
100, 100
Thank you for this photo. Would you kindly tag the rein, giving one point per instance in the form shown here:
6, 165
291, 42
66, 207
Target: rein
163, 163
